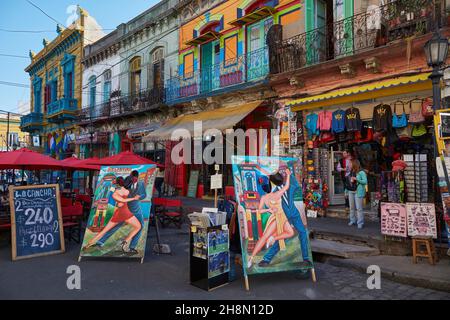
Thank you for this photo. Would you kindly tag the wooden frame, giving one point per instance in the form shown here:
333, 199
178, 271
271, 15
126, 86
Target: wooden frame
445, 112
13, 222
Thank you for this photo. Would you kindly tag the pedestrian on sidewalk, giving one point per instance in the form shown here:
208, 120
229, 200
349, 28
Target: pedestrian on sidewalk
356, 184
344, 167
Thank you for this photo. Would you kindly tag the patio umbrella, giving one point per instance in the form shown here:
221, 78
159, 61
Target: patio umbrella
26, 159
76, 164
123, 159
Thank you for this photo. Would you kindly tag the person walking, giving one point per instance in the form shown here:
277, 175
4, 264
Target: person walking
344, 168
356, 185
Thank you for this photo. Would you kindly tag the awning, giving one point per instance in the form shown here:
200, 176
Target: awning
399, 85
203, 38
220, 119
137, 133
253, 16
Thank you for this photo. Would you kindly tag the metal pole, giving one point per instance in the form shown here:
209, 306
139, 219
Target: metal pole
7, 133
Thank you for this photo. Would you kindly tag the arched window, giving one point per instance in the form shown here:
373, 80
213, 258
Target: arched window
156, 72
107, 86
135, 75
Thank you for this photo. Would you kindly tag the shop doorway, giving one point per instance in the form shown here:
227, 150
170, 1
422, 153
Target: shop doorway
336, 190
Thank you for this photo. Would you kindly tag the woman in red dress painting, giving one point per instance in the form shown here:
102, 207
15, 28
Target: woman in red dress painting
121, 215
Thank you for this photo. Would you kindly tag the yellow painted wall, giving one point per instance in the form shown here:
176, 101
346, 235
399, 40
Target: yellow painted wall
14, 126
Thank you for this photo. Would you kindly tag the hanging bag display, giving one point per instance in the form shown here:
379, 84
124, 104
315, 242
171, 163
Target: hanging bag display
427, 107
419, 130
415, 114
399, 121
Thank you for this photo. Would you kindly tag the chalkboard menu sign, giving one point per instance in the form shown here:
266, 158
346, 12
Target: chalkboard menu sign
444, 127
36, 221
193, 184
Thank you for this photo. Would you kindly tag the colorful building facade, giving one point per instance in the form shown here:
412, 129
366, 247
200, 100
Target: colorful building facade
56, 86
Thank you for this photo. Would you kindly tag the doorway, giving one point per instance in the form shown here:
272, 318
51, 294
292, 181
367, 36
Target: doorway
336, 190
210, 55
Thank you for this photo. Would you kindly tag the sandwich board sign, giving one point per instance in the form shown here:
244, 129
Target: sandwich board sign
36, 221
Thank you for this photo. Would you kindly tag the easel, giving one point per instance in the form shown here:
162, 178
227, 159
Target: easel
247, 285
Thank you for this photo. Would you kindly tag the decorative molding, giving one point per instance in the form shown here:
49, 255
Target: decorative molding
347, 70
296, 81
372, 64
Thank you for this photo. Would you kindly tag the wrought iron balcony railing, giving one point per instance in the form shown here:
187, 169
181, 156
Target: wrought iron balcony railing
142, 101
61, 106
31, 121
251, 67
374, 28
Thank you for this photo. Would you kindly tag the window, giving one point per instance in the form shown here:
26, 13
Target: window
188, 62
135, 75
107, 86
290, 17
231, 45
156, 72
37, 91
92, 92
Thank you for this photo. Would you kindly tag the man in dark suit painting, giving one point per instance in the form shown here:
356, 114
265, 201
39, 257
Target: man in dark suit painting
136, 188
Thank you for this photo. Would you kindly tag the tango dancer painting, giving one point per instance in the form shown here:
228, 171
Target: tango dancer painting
271, 215
118, 221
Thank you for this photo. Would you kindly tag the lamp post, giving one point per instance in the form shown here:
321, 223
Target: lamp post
436, 51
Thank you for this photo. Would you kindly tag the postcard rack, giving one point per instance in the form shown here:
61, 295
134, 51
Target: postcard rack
209, 256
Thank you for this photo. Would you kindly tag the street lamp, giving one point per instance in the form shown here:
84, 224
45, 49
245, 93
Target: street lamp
436, 51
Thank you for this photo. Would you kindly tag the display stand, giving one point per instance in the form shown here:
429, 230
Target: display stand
209, 262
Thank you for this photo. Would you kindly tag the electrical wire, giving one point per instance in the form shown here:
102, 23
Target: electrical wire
13, 56
46, 31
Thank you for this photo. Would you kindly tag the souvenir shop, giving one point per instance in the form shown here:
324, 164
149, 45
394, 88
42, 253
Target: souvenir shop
391, 136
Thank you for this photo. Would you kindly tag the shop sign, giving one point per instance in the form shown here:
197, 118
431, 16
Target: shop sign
444, 126
393, 219
421, 220
97, 138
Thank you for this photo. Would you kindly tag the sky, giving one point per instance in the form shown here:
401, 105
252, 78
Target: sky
19, 15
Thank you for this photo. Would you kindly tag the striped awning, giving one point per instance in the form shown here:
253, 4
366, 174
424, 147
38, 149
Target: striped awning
220, 119
399, 85
210, 35
253, 16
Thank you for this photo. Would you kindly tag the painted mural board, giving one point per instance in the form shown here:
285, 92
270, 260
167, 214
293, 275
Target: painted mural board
421, 219
273, 237
393, 219
118, 221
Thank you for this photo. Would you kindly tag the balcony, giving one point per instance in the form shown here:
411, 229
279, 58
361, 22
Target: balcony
117, 106
31, 122
362, 32
245, 70
62, 109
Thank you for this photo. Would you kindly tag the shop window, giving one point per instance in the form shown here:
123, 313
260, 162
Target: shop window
231, 45
188, 62
135, 75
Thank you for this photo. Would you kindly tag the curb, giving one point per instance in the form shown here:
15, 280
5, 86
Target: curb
394, 276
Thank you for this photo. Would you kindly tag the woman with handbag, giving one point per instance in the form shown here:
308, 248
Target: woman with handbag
356, 185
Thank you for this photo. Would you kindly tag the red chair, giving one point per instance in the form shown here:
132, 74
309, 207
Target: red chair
72, 216
172, 213
66, 202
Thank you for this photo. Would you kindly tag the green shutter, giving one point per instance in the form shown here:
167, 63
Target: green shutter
309, 25
348, 26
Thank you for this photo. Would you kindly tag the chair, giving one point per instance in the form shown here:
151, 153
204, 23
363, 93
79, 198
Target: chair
172, 213
72, 216
66, 202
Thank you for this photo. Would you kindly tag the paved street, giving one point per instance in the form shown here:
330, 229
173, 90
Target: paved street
167, 277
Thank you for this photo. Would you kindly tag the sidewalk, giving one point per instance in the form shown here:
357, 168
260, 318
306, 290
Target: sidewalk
403, 270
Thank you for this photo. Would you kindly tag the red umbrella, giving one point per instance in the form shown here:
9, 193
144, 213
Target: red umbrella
78, 165
123, 159
26, 159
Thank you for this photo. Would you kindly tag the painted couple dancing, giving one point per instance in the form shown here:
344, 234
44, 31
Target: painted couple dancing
284, 218
127, 195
